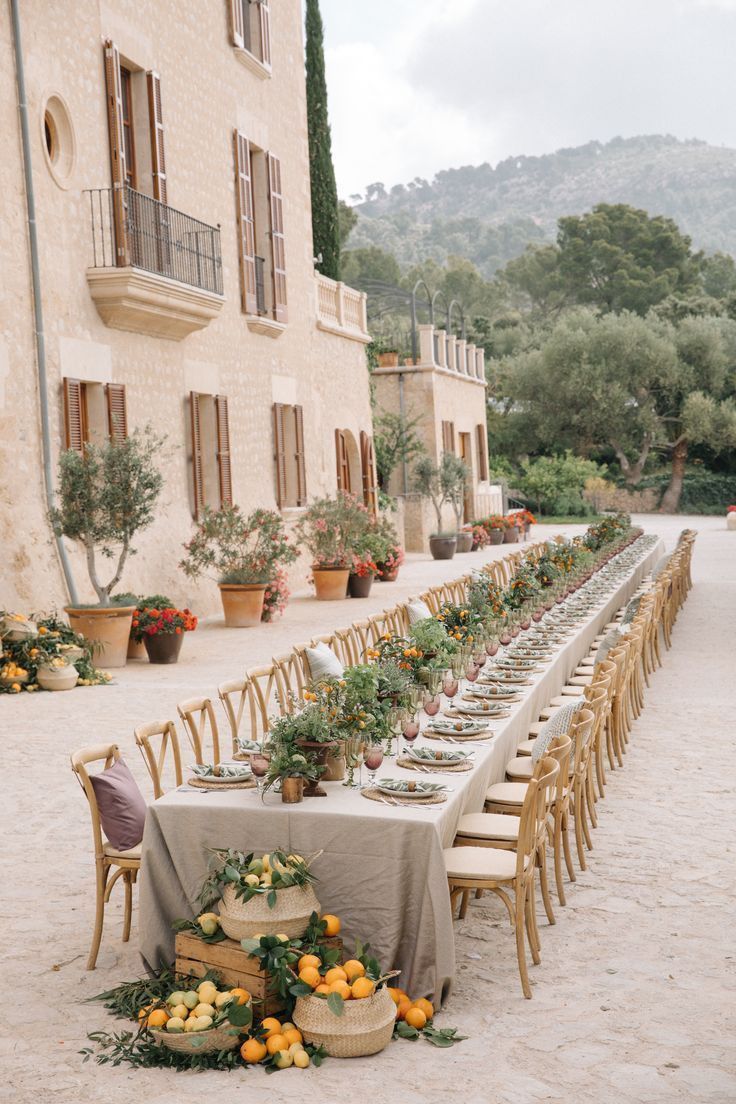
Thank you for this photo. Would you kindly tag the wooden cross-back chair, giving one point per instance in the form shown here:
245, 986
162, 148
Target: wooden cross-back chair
292, 679
200, 725
126, 864
233, 695
262, 701
163, 734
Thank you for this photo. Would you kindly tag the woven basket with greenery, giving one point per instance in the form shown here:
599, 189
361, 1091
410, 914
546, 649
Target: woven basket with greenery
365, 1026
289, 916
225, 1037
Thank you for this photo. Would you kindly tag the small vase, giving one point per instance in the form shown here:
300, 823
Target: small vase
292, 790
163, 647
359, 586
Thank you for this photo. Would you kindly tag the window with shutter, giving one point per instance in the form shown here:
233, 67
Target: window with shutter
301, 474
278, 250
343, 467
264, 19
116, 132
448, 437
237, 27
197, 468
368, 471
223, 451
482, 446
246, 223
74, 415
288, 439
155, 118
117, 412
279, 444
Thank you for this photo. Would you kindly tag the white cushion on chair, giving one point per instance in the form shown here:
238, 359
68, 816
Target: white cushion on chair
323, 663
507, 793
558, 724
525, 747
588, 661
490, 826
113, 853
521, 767
575, 682
417, 611
481, 863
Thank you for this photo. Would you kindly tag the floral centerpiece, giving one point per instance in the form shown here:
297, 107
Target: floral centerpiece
243, 553
162, 631
300, 743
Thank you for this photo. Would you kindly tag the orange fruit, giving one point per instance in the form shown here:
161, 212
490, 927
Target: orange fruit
311, 976
253, 1050
362, 987
342, 988
397, 995
402, 1008
271, 1026
335, 974
143, 1012
354, 969
157, 1018
308, 960
275, 1043
333, 924
294, 1036
415, 1017
426, 1007
242, 994
322, 988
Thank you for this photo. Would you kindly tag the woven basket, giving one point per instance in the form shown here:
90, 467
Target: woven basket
290, 915
365, 1027
199, 1042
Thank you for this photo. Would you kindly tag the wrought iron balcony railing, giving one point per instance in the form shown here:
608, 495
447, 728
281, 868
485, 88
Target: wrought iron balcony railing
130, 228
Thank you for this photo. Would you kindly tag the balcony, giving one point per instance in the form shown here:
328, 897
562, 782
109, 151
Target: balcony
440, 351
154, 270
341, 310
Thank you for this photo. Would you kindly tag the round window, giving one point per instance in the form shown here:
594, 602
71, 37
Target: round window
59, 146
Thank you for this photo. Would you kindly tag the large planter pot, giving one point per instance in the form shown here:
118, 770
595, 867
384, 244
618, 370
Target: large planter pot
496, 536
442, 548
57, 678
464, 541
242, 603
388, 360
511, 536
359, 586
290, 915
387, 575
330, 583
136, 649
365, 1026
317, 753
163, 647
109, 626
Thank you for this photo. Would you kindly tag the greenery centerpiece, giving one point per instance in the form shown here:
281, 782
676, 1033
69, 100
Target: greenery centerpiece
243, 553
107, 495
300, 743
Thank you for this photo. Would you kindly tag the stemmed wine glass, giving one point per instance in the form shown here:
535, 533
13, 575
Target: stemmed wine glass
411, 728
259, 767
373, 758
431, 703
354, 757
449, 687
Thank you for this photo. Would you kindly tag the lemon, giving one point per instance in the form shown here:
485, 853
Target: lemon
203, 1022
204, 1009
255, 867
283, 1059
179, 1011
295, 1048
176, 1024
252, 879
265, 879
222, 999
190, 1024
266, 862
301, 1059
288, 1027
282, 937
209, 927
190, 999
207, 992
176, 998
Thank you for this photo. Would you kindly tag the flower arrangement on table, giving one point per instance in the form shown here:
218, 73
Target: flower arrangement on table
399, 650
349, 702
461, 623
432, 639
486, 598
30, 645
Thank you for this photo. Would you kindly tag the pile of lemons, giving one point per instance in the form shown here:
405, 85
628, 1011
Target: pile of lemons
193, 1010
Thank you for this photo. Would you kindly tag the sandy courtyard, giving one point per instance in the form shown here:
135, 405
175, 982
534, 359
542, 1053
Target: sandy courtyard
635, 996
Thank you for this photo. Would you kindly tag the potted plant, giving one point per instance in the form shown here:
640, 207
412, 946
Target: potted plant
276, 596
428, 484
363, 570
107, 495
454, 479
331, 529
388, 553
511, 530
496, 528
243, 553
304, 735
161, 630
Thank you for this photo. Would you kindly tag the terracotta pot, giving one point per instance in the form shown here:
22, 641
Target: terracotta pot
388, 360
57, 678
136, 649
242, 603
292, 790
317, 753
442, 548
511, 536
496, 536
110, 626
163, 647
359, 586
386, 576
330, 583
336, 763
464, 541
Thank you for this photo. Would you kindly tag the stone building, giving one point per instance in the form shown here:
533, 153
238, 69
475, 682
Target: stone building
170, 176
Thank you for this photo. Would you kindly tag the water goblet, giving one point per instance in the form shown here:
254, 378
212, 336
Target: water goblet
410, 729
259, 767
431, 704
449, 687
373, 758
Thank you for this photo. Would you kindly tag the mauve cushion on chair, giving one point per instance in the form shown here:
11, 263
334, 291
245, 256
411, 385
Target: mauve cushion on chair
121, 806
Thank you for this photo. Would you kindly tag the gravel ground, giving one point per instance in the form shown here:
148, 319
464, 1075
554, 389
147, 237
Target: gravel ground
633, 995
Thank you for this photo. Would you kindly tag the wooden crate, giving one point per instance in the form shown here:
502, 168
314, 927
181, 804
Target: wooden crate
235, 967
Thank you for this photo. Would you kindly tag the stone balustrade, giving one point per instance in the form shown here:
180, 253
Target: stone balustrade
341, 309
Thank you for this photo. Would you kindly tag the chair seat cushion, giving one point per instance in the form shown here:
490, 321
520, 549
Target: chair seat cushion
521, 767
578, 680
507, 793
573, 690
554, 704
525, 747
588, 661
490, 826
480, 863
114, 853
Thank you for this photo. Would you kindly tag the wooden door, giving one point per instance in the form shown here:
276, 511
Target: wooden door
466, 455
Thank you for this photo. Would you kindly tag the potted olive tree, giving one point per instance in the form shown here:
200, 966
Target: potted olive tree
454, 478
428, 483
244, 555
106, 496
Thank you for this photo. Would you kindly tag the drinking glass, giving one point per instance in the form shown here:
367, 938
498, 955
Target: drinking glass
431, 704
472, 671
410, 729
354, 758
449, 687
373, 758
259, 767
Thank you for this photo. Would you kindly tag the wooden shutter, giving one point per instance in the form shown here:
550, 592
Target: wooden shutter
197, 473
368, 470
155, 117
482, 443
224, 465
246, 226
278, 250
114, 91
73, 415
117, 412
264, 14
448, 437
279, 454
237, 27
301, 474
343, 467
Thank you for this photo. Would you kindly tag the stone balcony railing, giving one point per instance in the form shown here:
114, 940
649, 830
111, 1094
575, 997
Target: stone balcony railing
341, 309
443, 352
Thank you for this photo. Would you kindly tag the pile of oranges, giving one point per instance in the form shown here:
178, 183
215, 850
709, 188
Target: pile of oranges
282, 1042
416, 1013
348, 980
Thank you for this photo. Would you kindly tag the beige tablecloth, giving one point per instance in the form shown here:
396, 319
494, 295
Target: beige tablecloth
381, 868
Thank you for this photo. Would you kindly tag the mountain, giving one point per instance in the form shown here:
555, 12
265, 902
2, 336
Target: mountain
490, 215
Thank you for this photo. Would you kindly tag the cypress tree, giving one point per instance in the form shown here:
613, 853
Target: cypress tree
325, 222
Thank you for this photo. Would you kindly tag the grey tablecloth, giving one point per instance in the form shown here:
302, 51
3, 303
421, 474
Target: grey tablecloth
381, 868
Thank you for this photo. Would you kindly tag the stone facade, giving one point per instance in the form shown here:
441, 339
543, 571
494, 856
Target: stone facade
209, 87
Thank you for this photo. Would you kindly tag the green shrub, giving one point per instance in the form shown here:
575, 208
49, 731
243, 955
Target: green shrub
703, 491
555, 484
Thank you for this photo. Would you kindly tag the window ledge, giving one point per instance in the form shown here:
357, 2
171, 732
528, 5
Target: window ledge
293, 513
262, 325
250, 61
132, 299
344, 331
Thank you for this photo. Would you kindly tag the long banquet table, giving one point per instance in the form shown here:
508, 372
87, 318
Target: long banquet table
381, 868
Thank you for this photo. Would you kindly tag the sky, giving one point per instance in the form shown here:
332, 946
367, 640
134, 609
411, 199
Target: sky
416, 86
